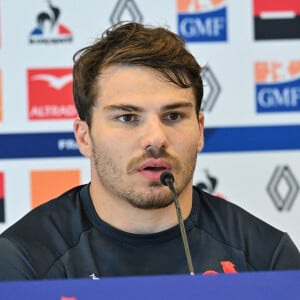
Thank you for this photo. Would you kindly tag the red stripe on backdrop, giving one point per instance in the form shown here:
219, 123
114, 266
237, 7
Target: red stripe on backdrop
260, 6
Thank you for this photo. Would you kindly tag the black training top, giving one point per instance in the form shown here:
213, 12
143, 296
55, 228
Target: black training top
65, 238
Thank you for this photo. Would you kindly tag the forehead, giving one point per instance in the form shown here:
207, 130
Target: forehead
138, 85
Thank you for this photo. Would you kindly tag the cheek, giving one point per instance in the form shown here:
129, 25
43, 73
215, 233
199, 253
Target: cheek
113, 145
187, 143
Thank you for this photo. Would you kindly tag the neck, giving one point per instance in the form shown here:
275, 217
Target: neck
122, 215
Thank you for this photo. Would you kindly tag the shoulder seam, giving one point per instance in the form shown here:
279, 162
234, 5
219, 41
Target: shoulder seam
58, 257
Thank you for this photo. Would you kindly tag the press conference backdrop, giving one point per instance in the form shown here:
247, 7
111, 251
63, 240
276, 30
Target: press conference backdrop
250, 51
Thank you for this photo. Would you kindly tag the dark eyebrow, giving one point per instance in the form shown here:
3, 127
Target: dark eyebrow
178, 105
134, 108
124, 107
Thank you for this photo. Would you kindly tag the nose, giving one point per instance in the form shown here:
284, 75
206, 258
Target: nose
154, 135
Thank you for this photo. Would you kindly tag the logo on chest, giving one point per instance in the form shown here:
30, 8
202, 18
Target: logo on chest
227, 266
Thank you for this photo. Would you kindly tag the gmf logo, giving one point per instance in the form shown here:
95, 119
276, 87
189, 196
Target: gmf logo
277, 86
202, 20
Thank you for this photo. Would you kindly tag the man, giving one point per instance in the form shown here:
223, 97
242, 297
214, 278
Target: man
138, 92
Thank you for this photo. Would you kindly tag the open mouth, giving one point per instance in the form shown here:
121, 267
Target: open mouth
153, 172
155, 168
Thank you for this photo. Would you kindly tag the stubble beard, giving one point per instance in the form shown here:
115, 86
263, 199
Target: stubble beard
153, 196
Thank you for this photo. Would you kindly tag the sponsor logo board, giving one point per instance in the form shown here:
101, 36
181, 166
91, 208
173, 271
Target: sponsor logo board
50, 94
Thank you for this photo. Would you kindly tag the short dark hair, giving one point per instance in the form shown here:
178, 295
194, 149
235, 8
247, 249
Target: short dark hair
134, 44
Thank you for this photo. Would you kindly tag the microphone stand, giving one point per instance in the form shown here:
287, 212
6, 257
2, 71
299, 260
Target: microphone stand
168, 179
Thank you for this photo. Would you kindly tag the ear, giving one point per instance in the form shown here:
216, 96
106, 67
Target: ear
83, 138
201, 131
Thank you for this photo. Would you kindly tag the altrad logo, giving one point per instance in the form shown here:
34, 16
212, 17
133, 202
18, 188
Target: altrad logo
50, 94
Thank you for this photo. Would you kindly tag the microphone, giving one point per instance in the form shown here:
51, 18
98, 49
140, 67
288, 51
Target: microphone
166, 178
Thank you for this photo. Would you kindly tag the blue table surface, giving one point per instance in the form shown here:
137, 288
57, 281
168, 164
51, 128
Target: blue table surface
251, 285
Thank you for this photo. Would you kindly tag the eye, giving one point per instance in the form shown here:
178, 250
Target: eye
173, 116
128, 118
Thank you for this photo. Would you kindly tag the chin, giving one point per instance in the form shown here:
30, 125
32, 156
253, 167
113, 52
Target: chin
154, 199
152, 205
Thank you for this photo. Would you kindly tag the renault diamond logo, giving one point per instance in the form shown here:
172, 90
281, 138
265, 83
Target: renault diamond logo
126, 10
210, 97
283, 188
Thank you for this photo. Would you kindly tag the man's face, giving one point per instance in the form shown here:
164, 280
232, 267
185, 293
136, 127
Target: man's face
142, 125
